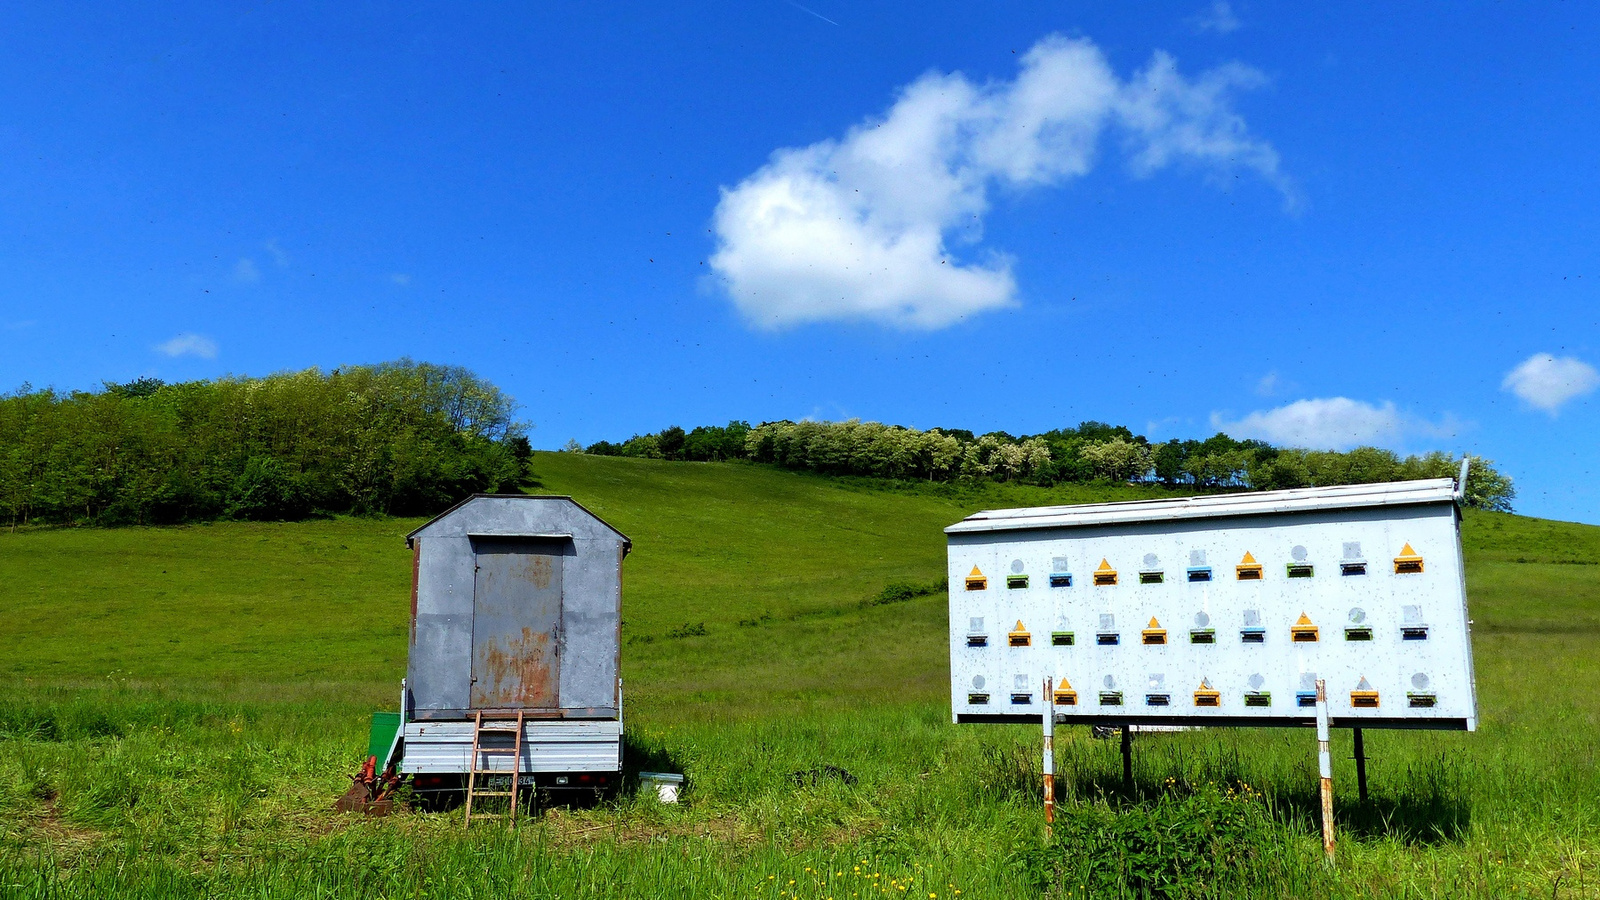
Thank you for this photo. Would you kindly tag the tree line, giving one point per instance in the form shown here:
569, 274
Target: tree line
411, 438
399, 438
1089, 452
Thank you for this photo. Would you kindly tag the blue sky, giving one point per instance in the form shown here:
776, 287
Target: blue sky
1322, 227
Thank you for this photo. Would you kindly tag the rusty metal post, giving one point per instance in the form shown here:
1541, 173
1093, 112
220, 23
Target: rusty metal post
1127, 759
1325, 769
1049, 757
1361, 766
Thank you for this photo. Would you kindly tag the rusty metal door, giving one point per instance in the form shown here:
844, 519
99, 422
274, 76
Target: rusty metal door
516, 617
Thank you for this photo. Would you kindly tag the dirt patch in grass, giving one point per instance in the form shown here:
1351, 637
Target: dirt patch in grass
47, 829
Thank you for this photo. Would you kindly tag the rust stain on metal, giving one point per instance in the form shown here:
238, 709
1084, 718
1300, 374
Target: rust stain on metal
534, 569
519, 673
416, 576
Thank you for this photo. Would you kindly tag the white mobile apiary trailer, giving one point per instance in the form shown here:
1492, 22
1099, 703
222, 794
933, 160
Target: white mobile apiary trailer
1217, 610
515, 617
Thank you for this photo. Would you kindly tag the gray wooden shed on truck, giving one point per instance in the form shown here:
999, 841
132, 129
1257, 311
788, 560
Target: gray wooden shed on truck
516, 608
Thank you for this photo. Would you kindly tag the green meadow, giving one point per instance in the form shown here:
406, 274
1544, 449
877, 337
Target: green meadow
179, 707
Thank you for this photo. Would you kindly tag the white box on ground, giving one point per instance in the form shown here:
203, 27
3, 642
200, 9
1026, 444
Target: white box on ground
666, 785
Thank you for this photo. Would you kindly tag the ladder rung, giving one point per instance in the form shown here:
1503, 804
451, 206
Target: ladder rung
498, 749
506, 726
491, 793
496, 772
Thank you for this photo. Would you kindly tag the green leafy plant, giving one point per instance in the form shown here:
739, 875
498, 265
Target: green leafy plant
1178, 845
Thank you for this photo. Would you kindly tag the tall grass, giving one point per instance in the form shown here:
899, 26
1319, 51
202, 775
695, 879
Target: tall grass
132, 765
126, 791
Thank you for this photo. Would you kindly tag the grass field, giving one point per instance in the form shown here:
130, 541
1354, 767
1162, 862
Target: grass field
180, 706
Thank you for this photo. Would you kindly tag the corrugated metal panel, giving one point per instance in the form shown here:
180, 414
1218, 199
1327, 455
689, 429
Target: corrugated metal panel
1350, 496
569, 746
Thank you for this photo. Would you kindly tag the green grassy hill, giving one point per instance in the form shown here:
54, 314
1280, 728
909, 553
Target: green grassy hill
792, 555
190, 697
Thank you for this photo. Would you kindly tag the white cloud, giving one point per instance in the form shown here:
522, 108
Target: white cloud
1268, 385
188, 344
245, 270
1218, 17
1333, 423
400, 279
862, 227
278, 256
1548, 383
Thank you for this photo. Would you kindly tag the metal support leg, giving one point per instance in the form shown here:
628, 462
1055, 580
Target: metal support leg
1127, 759
1361, 766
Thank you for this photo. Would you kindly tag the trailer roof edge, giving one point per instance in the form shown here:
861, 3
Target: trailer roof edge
1211, 506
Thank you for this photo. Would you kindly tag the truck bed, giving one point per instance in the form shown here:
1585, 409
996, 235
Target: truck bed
568, 745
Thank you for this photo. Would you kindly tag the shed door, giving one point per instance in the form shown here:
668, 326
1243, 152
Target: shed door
516, 617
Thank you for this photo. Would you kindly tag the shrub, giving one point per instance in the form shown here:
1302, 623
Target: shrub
1176, 846
901, 591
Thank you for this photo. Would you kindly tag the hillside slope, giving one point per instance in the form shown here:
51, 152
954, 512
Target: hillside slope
775, 565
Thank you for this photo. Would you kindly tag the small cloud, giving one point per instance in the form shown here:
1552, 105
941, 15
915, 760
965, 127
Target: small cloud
885, 223
189, 344
1548, 383
278, 256
401, 279
245, 270
1268, 385
19, 325
1218, 18
1334, 423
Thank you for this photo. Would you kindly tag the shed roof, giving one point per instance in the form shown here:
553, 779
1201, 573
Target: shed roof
1344, 496
627, 542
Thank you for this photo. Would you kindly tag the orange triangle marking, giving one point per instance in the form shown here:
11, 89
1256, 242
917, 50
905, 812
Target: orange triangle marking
1205, 684
1248, 559
1407, 551
1019, 626
1304, 620
1064, 685
975, 573
1105, 566
1153, 623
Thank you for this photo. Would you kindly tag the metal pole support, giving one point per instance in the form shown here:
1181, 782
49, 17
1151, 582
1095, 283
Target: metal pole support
1361, 766
1049, 758
1325, 769
1127, 759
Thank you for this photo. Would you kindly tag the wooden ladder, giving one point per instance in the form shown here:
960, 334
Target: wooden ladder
480, 727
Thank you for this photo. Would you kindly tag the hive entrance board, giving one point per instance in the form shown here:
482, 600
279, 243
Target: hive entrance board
1267, 590
516, 617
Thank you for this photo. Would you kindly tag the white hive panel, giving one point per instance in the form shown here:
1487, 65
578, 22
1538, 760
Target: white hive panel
1363, 588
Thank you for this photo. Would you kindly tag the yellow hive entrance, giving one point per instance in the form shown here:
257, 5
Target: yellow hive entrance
1364, 697
1206, 696
1248, 569
1104, 574
1065, 695
1154, 633
1409, 562
1019, 636
976, 580
1302, 631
